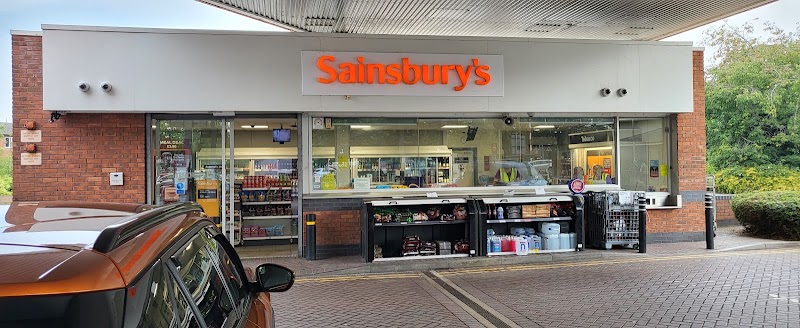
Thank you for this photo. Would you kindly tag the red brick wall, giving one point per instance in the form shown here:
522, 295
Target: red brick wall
692, 134
337, 227
79, 150
724, 211
691, 163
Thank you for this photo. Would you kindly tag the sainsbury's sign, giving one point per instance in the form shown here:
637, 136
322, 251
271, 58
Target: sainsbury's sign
401, 74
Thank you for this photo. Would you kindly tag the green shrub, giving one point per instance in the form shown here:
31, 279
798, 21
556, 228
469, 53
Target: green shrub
771, 214
735, 180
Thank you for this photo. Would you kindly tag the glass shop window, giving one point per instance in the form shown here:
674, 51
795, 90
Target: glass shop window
386, 153
644, 151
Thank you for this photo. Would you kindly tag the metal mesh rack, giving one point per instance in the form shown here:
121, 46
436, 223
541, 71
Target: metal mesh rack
612, 218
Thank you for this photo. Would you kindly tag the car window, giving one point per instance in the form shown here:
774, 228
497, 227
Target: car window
233, 277
183, 312
149, 302
197, 270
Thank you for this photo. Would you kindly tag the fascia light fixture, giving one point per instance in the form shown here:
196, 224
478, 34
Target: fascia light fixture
255, 126
455, 126
544, 127
361, 127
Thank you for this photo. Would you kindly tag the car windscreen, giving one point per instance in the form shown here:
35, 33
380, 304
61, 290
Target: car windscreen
93, 309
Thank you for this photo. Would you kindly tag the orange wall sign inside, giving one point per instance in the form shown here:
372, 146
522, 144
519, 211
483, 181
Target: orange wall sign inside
352, 73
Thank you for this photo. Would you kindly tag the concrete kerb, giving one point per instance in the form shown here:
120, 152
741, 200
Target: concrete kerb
421, 265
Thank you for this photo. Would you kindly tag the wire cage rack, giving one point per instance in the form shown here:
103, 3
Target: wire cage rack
612, 218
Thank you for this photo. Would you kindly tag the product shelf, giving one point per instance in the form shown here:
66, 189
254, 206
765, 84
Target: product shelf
269, 237
270, 217
267, 203
266, 188
531, 252
530, 220
426, 257
419, 223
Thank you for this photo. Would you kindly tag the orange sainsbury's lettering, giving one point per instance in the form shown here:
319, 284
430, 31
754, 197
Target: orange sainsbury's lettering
327, 69
407, 72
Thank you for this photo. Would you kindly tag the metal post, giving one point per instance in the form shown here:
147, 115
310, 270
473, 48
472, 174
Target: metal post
642, 224
710, 221
311, 237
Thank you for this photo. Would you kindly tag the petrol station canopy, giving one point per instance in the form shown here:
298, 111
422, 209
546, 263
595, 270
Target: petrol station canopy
567, 19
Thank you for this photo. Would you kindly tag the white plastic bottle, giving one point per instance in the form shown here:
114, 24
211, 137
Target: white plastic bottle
523, 245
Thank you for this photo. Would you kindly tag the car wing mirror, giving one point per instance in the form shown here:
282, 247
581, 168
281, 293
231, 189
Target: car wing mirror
274, 278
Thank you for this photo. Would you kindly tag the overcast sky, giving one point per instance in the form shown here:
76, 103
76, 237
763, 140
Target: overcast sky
30, 14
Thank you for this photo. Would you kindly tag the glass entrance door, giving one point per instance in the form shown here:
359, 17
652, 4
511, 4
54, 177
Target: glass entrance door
243, 172
191, 159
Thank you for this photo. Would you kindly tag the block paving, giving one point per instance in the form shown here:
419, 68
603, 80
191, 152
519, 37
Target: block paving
758, 288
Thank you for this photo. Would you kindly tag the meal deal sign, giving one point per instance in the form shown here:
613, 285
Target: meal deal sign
401, 74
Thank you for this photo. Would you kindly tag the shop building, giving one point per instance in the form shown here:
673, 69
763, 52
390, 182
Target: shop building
265, 128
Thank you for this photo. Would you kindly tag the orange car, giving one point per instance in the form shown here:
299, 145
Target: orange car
68, 264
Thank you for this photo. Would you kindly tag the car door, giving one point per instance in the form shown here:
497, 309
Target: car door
206, 286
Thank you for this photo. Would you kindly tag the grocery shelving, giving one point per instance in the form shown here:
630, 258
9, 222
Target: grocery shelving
271, 217
283, 202
270, 237
419, 223
531, 220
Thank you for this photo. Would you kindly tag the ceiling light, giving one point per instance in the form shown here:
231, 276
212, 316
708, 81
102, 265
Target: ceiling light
361, 126
255, 126
544, 127
455, 126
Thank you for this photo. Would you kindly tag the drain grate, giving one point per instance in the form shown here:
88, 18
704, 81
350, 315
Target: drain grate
480, 310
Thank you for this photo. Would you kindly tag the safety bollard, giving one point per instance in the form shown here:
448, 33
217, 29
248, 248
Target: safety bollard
642, 225
311, 237
710, 221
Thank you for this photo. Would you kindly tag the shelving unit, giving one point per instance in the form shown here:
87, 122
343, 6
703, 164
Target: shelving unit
563, 204
389, 236
531, 220
283, 202
271, 237
531, 252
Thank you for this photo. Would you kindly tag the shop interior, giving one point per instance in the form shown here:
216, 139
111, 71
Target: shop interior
442, 153
260, 207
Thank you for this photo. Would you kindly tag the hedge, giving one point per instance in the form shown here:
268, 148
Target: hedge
771, 214
735, 180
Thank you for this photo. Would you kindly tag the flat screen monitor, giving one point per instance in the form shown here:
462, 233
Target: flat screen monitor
281, 135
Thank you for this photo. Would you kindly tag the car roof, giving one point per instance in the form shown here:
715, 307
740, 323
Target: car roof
67, 247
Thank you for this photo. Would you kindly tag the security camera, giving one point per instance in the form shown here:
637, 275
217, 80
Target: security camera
105, 86
622, 92
83, 86
508, 120
605, 92
54, 116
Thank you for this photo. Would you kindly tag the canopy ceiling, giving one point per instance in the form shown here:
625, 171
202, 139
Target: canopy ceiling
567, 19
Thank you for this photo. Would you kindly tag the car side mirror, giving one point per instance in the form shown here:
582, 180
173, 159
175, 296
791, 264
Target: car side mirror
274, 278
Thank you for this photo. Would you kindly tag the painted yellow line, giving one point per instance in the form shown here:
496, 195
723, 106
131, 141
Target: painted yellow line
620, 261
352, 278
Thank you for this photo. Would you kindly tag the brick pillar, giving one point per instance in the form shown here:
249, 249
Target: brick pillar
79, 150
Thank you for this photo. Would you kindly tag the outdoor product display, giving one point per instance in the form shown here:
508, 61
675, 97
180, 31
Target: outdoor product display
422, 227
529, 225
612, 219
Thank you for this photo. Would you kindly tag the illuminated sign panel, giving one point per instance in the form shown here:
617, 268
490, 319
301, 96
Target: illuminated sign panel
401, 74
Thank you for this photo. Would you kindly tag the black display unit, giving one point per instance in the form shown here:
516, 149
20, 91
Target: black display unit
396, 219
568, 213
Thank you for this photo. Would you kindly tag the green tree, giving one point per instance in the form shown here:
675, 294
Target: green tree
753, 97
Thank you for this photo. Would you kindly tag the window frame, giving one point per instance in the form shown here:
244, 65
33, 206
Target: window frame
207, 227
308, 174
671, 151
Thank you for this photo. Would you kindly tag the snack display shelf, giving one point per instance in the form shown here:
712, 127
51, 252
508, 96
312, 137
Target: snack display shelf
532, 252
269, 237
530, 220
418, 223
266, 188
426, 257
270, 217
267, 203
